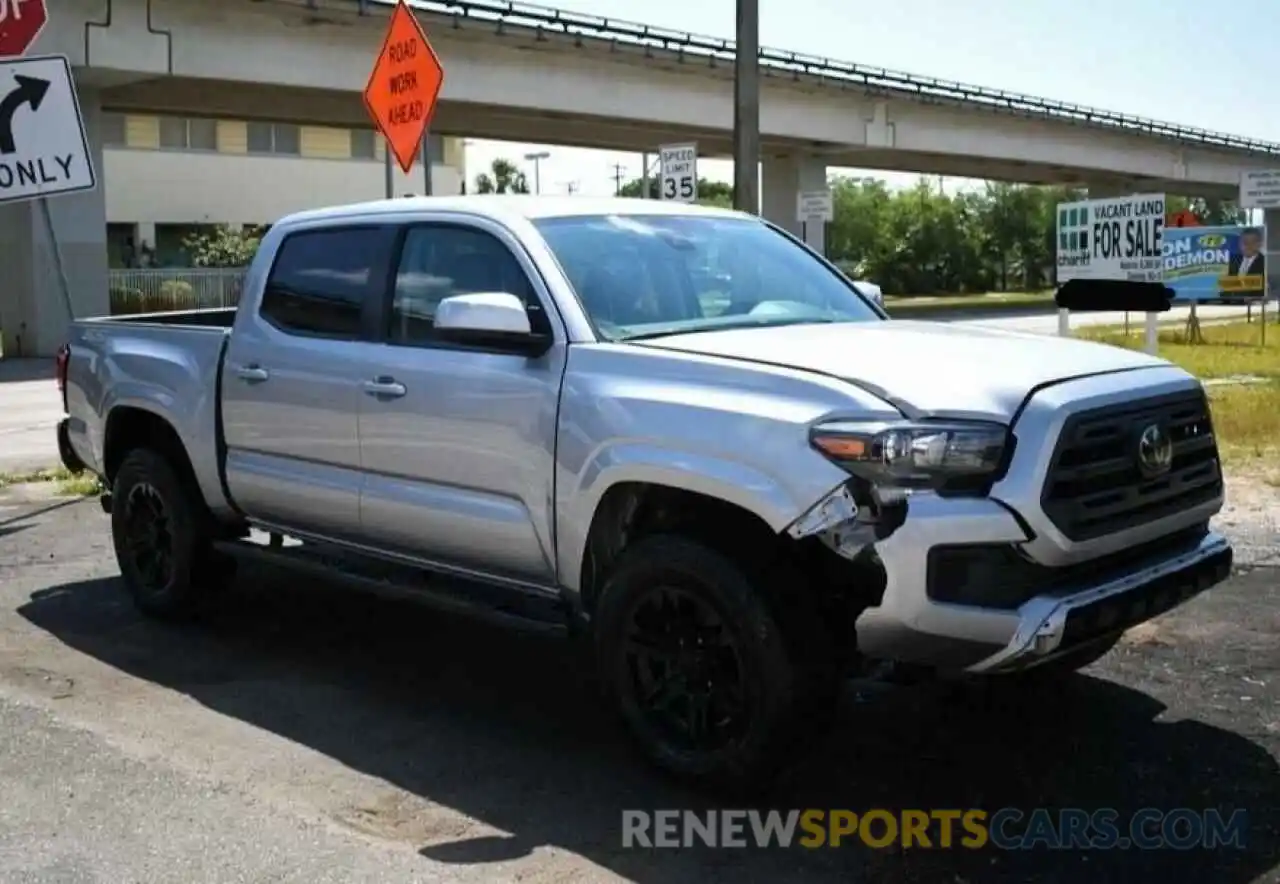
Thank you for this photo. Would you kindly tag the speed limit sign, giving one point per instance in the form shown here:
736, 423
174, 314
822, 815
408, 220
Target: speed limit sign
678, 179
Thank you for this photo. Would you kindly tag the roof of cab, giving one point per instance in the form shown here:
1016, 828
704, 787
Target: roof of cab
500, 206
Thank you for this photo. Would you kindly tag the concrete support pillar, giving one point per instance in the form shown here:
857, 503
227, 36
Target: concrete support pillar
783, 179
33, 317
145, 232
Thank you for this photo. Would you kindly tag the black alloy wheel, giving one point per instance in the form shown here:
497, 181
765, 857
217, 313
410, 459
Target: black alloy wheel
148, 538
162, 534
694, 661
686, 672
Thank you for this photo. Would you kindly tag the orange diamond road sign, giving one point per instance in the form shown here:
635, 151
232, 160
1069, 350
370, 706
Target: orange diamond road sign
403, 86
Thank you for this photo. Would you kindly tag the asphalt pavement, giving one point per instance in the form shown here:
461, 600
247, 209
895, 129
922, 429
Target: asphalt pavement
303, 733
29, 411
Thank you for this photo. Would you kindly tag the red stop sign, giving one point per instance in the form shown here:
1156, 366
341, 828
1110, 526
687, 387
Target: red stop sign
20, 23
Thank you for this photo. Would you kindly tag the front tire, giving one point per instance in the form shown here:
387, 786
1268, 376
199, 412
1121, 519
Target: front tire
697, 665
161, 532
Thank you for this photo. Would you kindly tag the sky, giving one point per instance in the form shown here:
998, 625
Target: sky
1179, 61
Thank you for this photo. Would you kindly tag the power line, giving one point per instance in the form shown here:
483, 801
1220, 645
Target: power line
619, 171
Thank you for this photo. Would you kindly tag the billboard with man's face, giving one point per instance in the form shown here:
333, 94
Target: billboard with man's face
1209, 263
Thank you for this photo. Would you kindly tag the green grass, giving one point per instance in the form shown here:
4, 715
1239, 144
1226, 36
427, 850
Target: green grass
69, 484
1246, 416
1231, 349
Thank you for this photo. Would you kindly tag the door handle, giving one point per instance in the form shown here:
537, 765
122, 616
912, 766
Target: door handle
252, 373
385, 387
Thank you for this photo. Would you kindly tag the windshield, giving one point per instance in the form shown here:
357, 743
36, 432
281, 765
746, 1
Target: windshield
642, 276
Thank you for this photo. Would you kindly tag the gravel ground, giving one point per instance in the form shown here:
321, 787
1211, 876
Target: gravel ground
1251, 517
311, 735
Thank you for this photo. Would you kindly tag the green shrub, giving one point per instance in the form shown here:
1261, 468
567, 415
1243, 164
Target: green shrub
175, 294
125, 301
177, 289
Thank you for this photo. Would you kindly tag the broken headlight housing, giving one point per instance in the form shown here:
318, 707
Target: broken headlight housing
945, 456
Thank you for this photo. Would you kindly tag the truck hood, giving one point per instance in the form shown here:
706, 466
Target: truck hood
925, 369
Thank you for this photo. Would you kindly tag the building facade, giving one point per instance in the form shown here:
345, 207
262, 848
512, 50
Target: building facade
167, 177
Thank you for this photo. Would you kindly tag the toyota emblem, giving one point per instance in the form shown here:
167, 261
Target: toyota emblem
1155, 451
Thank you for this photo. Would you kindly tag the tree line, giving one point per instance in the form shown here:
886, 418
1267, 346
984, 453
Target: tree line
922, 240
998, 237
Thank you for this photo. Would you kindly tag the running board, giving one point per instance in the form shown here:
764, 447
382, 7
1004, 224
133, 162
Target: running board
505, 607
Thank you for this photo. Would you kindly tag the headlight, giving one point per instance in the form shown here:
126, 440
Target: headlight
940, 455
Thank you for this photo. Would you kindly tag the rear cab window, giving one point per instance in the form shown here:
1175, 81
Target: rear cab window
325, 281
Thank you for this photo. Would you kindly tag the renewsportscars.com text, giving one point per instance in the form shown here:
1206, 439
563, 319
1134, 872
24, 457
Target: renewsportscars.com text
1004, 829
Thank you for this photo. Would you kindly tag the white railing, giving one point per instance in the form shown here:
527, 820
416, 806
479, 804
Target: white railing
179, 288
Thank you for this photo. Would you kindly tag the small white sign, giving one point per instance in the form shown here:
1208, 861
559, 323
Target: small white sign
1260, 189
815, 206
679, 176
1120, 238
43, 148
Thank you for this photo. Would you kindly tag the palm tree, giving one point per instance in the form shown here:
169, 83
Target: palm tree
503, 177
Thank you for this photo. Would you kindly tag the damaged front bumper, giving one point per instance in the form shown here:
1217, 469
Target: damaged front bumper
961, 595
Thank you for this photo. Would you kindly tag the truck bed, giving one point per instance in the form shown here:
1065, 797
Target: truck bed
168, 364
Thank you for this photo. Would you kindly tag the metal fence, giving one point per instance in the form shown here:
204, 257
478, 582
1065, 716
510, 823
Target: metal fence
179, 288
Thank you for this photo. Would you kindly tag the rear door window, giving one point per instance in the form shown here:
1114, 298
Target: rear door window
442, 260
323, 281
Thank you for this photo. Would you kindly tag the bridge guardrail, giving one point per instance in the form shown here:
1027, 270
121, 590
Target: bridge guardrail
546, 20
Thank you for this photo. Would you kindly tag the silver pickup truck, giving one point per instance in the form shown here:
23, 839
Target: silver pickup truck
739, 485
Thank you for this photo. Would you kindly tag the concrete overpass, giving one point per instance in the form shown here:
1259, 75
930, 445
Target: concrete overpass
527, 73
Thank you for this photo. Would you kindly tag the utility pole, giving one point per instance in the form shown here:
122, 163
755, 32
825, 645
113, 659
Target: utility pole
618, 172
746, 109
536, 159
388, 172
427, 189
570, 187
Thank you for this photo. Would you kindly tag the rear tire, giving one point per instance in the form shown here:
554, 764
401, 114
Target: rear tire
697, 664
161, 532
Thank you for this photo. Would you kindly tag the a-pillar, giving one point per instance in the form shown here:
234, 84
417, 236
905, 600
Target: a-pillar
33, 315
782, 180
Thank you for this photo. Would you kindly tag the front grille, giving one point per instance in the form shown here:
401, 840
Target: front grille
1096, 485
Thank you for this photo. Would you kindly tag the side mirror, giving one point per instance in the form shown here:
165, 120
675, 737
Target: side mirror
489, 319
871, 290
